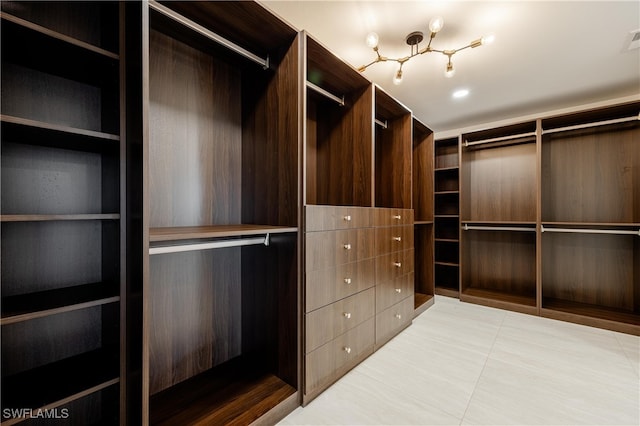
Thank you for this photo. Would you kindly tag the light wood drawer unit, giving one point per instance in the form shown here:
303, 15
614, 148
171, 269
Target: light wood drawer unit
390, 239
331, 360
327, 323
330, 248
328, 285
393, 217
392, 320
394, 265
326, 218
392, 292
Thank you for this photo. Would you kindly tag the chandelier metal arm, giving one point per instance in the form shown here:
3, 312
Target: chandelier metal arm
413, 40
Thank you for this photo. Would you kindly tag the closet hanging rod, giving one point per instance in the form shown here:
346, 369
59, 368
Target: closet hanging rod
589, 125
210, 245
497, 228
500, 139
339, 101
591, 231
382, 124
208, 33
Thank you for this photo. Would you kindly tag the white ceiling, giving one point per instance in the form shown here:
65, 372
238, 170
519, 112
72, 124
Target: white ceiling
547, 55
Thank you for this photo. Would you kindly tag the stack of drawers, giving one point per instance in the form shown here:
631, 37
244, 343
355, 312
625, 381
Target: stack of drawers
340, 292
394, 272
359, 280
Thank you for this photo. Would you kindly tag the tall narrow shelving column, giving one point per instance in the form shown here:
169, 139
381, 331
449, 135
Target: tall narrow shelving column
339, 308
221, 296
498, 216
591, 217
423, 202
62, 230
447, 217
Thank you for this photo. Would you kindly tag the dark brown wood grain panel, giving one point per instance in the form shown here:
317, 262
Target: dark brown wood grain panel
589, 176
446, 153
331, 248
499, 261
327, 323
392, 217
325, 286
391, 291
392, 320
188, 88
185, 337
271, 142
393, 153
325, 218
446, 180
330, 361
393, 238
499, 184
424, 266
344, 152
591, 269
394, 265
422, 170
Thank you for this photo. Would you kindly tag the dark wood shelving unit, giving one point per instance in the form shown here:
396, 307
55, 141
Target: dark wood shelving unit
446, 188
221, 339
62, 181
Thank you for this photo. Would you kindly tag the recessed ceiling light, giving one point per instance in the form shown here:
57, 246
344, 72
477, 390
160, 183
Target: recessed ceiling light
460, 93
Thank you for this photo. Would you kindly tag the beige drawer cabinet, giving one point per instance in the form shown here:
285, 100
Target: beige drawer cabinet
395, 272
340, 307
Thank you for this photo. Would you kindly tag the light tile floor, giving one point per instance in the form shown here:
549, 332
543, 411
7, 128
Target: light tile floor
465, 364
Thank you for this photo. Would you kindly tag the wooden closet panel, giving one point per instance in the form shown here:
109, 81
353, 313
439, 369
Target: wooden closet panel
500, 184
311, 154
39, 256
270, 143
195, 311
195, 137
575, 266
592, 176
423, 185
503, 261
344, 152
393, 154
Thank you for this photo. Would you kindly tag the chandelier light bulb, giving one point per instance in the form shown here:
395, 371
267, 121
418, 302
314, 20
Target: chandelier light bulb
398, 77
436, 24
488, 39
449, 72
372, 40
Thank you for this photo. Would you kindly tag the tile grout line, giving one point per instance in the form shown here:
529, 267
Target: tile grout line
483, 368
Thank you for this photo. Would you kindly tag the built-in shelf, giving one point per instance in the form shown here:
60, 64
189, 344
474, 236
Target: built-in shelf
423, 222
236, 392
446, 192
557, 307
525, 303
446, 263
446, 169
63, 381
26, 307
446, 216
56, 217
447, 240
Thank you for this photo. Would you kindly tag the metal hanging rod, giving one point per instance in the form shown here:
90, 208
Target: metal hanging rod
500, 139
339, 101
589, 125
208, 34
382, 124
210, 245
497, 228
591, 231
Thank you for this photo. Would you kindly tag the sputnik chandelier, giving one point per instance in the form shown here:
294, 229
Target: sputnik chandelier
413, 40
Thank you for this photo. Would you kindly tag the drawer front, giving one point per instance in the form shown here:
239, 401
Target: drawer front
394, 238
392, 292
327, 323
392, 320
393, 217
394, 265
331, 248
327, 218
331, 360
329, 285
